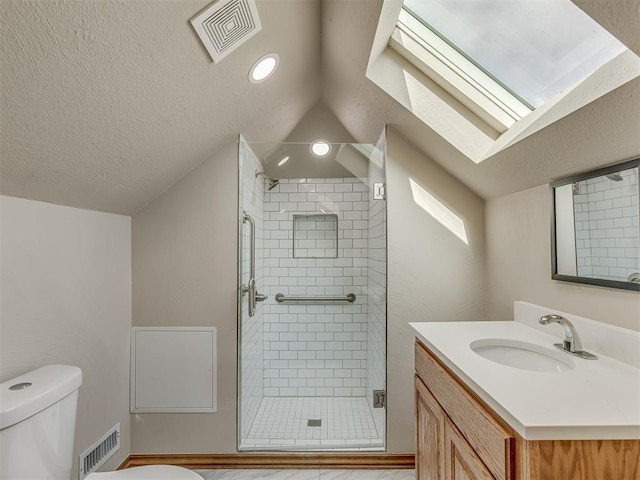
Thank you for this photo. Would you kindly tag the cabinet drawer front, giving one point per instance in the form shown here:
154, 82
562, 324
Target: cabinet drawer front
493, 444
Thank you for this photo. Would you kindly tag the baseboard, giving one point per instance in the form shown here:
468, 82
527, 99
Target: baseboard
321, 461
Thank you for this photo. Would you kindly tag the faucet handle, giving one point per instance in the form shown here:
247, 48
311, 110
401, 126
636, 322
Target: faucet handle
552, 317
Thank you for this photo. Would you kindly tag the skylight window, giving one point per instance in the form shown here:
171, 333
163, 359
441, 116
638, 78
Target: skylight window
515, 55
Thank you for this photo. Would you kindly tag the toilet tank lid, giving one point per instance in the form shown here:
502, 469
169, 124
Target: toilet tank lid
49, 384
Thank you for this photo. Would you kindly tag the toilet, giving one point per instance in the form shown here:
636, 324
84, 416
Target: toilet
37, 430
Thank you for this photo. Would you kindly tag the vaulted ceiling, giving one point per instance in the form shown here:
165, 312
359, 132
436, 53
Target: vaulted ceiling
105, 104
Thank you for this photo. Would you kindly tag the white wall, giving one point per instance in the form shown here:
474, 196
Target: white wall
185, 274
66, 299
432, 274
519, 266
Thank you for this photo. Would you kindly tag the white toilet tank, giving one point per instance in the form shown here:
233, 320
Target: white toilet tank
38, 423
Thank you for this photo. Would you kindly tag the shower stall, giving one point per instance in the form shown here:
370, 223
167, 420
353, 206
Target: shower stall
311, 297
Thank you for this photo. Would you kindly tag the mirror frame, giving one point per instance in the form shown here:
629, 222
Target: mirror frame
554, 261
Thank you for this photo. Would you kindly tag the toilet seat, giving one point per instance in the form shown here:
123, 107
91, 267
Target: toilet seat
148, 472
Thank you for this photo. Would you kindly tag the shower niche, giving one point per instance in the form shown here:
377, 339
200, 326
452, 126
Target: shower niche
313, 351
315, 236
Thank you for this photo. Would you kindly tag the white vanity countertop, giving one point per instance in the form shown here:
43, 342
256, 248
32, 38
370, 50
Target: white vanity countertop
598, 399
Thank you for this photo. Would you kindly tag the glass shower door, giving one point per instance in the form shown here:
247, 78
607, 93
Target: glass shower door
312, 358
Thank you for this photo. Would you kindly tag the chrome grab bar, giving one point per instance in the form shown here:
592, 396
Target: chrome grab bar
350, 297
250, 288
246, 218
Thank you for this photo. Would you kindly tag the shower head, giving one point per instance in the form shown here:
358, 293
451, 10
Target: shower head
271, 182
616, 177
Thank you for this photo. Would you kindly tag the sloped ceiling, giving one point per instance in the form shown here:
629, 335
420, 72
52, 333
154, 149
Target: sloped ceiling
106, 104
604, 132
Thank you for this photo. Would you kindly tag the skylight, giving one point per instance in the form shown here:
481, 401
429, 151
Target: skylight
534, 49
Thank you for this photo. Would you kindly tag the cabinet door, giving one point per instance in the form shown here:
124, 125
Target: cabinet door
494, 444
430, 420
461, 462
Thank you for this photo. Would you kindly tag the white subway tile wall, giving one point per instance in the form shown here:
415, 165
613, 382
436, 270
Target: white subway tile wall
251, 334
316, 349
607, 218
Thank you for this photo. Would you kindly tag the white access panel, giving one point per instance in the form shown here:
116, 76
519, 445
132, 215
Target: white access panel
173, 369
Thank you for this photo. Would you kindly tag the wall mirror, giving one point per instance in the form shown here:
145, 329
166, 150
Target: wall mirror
596, 227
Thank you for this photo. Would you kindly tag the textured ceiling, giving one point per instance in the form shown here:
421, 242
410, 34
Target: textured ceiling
105, 104
604, 132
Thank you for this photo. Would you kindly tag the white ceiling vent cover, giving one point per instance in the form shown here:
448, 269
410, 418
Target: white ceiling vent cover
225, 25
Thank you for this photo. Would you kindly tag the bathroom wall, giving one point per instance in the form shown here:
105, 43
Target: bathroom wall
185, 274
66, 299
433, 275
316, 350
519, 265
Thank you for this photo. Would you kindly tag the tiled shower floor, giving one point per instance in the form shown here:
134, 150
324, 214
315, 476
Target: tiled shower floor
282, 422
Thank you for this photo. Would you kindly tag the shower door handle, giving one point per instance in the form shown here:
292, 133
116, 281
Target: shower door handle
251, 296
260, 297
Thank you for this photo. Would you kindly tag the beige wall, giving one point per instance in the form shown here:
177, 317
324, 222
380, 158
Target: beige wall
184, 271
184, 274
433, 275
66, 299
519, 265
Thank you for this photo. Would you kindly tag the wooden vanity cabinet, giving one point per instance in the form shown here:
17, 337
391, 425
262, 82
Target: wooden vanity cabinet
456, 438
460, 438
443, 451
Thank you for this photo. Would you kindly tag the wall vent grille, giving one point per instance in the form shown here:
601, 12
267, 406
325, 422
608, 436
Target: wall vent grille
97, 454
225, 25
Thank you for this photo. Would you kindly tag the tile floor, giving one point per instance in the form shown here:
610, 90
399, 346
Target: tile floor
283, 422
307, 474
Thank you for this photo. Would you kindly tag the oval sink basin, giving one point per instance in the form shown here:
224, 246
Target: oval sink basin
523, 355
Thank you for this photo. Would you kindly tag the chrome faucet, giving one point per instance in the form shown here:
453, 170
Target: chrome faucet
571, 339
571, 342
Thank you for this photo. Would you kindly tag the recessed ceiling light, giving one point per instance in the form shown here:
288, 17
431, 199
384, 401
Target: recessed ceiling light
320, 148
263, 68
283, 161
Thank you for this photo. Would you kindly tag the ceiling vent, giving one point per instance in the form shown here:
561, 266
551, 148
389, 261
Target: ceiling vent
225, 25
